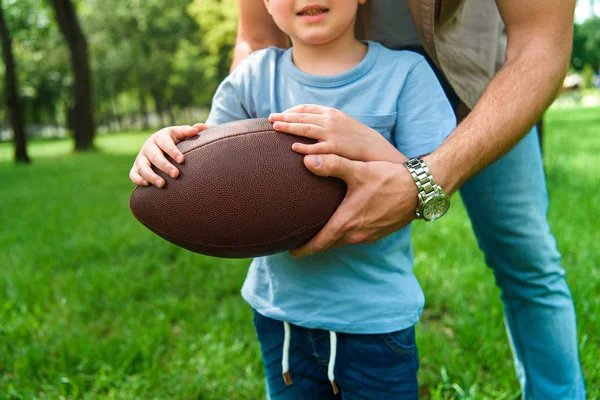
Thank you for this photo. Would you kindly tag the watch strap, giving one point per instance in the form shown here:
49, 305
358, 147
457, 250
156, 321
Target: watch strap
421, 175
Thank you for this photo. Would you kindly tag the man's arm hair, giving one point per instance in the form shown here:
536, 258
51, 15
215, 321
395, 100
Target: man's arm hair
540, 35
256, 30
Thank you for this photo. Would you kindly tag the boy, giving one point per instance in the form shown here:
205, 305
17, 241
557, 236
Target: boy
343, 319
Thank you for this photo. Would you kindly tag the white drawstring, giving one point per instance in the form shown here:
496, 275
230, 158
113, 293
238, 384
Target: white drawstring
332, 354
285, 362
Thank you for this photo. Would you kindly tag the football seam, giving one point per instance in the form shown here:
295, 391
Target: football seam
161, 233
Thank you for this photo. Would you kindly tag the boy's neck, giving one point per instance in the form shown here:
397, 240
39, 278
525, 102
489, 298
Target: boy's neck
331, 58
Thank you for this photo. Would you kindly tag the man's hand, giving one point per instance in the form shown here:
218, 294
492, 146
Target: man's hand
336, 133
381, 198
153, 153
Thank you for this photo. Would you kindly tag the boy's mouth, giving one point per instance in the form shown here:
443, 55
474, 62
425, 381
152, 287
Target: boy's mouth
309, 11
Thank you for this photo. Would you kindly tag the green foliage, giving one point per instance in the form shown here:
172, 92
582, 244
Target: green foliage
94, 306
586, 45
171, 55
42, 60
218, 26
588, 76
135, 47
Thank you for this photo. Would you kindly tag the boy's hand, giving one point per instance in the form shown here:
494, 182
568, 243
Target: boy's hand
153, 153
336, 133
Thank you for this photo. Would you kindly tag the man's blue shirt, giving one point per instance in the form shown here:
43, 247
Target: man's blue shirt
361, 288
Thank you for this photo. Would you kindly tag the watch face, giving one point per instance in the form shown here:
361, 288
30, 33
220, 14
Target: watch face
435, 207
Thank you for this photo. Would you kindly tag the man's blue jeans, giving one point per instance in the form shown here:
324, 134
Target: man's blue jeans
379, 366
508, 204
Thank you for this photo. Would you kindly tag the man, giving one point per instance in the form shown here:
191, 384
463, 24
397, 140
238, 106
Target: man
506, 86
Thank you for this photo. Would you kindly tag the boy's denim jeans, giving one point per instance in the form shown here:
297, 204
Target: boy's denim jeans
376, 366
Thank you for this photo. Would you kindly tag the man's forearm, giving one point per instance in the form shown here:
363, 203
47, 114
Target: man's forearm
512, 103
540, 37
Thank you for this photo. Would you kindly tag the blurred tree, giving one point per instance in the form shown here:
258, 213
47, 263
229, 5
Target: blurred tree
142, 52
80, 116
218, 28
144, 55
43, 74
586, 45
12, 93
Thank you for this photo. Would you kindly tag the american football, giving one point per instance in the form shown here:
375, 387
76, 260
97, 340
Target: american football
241, 192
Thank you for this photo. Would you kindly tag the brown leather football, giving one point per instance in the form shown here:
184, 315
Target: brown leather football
241, 192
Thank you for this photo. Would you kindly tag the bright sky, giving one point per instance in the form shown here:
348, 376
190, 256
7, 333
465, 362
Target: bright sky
582, 11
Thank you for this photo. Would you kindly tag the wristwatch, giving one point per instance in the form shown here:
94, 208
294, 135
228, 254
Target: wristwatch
433, 201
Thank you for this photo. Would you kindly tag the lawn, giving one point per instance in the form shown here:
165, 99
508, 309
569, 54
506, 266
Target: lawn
93, 305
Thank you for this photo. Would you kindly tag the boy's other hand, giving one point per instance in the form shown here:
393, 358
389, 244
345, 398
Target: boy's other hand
381, 198
153, 153
336, 133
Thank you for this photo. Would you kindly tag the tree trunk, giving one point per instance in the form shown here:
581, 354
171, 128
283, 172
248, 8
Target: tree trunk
158, 106
81, 115
171, 115
143, 110
15, 114
115, 118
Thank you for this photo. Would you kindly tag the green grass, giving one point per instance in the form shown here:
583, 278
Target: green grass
92, 305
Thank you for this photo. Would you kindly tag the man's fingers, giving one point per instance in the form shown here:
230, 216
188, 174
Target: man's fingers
180, 133
336, 166
307, 108
337, 244
306, 130
327, 237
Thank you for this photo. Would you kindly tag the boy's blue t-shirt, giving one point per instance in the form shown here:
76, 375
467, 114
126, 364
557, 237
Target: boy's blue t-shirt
360, 288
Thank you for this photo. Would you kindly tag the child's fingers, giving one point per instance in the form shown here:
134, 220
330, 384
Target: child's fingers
156, 157
317, 148
136, 178
307, 109
307, 130
300, 118
166, 144
179, 133
202, 127
148, 174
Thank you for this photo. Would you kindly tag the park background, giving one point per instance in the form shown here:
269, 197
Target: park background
93, 305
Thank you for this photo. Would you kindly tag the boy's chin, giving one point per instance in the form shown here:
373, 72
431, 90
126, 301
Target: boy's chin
315, 40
